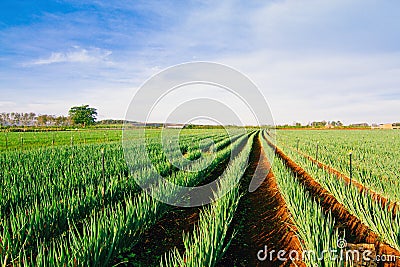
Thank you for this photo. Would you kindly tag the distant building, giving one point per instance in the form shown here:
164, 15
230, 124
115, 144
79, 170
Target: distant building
329, 126
387, 126
173, 126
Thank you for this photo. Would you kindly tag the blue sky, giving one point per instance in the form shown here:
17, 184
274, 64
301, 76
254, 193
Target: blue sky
313, 60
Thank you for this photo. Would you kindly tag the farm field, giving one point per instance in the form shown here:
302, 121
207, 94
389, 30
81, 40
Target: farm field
28, 140
73, 199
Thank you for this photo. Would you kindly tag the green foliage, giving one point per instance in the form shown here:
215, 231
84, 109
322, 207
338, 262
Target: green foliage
11, 141
83, 115
315, 229
208, 242
373, 153
376, 157
52, 208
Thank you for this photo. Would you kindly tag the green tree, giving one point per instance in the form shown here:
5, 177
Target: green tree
83, 115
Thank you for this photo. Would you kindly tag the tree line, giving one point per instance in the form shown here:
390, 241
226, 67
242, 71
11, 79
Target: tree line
79, 116
314, 124
32, 119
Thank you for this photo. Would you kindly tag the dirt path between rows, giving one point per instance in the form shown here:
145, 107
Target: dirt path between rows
356, 231
262, 219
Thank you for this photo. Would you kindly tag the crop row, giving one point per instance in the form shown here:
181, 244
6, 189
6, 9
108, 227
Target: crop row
136, 211
10, 141
40, 176
208, 241
375, 155
316, 230
367, 220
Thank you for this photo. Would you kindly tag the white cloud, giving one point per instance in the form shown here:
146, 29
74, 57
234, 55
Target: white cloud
7, 104
313, 60
76, 55
347, 87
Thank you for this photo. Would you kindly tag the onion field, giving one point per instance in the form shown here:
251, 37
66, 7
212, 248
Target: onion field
94, 198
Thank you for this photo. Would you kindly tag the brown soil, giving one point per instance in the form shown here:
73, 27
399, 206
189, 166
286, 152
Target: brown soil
386, 203
161, 238
356, 231
262, 219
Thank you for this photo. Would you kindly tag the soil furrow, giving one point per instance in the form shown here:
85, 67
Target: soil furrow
262, 219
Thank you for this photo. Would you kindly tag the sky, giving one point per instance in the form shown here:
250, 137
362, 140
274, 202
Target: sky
312, 60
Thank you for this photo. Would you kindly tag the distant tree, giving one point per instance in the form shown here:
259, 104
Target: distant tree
30, 119
6, 119
83, 115
62, 121
111, 122
319, 123
43, 120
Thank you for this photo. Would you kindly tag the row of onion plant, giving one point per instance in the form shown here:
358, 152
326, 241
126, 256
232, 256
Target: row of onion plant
375, 155
207, 243
97, 239
48, 218
315, 229
378, 217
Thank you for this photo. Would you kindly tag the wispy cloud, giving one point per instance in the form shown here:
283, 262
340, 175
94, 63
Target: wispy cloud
76, 55
7, 104
314, 60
